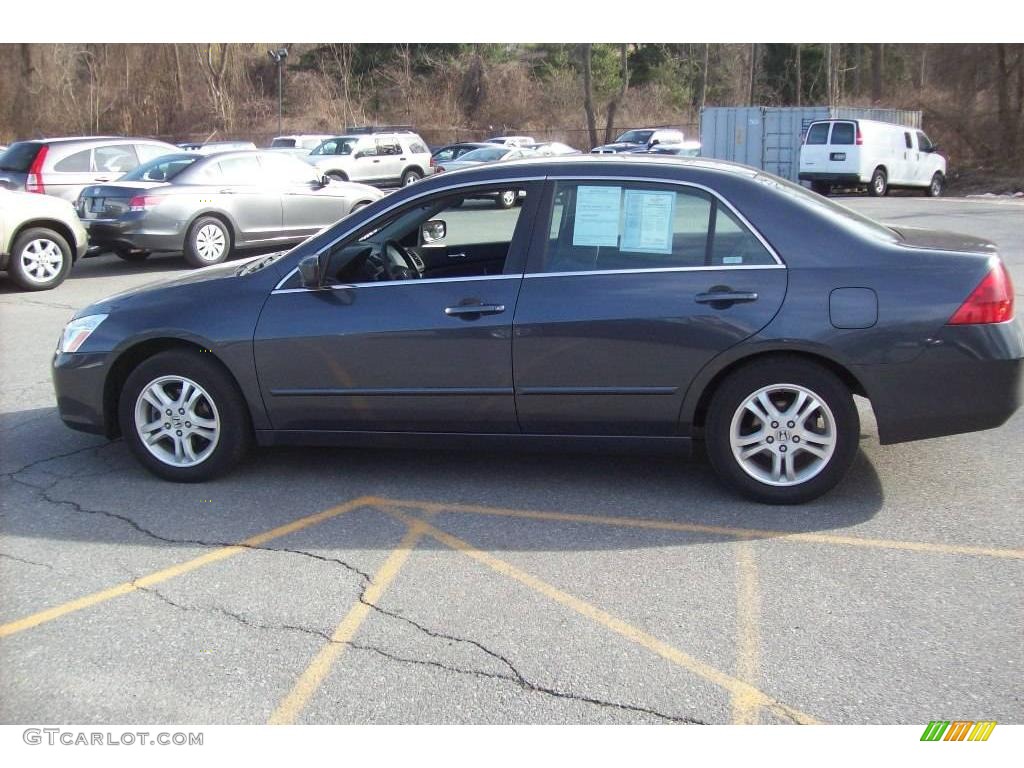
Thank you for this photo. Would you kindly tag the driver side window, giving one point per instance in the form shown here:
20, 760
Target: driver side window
468, 234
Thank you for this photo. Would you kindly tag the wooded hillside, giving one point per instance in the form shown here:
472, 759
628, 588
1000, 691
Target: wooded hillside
972, 94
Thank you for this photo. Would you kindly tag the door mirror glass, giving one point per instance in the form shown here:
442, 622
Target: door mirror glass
433, 231
310, 272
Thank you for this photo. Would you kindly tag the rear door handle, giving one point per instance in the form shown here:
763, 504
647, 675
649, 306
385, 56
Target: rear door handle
102, 179
456, 255
227, 191
724, 297
464, 310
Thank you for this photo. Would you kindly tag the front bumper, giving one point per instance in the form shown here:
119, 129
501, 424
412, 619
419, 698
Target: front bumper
79, 380
971, 378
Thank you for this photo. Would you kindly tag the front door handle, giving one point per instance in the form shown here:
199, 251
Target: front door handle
723, 297
472, 311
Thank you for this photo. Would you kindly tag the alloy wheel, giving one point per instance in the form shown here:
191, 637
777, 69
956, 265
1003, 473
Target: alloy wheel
41, 260
783, 434
177, 421
210, 242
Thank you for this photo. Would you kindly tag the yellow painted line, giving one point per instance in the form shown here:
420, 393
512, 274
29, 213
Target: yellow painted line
745, 709
35, 619
713, 530
308, 683
605, 619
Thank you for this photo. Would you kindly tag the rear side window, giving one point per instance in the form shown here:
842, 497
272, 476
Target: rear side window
418, 148
115, 158
79, 162
18, 157
240, 170
842, 133
909, 141
600, 226
818, 133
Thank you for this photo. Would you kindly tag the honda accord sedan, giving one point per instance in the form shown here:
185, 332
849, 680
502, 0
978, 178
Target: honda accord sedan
208, 205
632, 303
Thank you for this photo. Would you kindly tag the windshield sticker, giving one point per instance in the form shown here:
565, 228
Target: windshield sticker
597, 216
649, 221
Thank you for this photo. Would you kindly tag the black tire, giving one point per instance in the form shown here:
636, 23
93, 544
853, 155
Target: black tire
131, 256
411, 176
235, 428
507, 198
936, 186
821, 187
879, 184
728, 401
45, 252
202, 228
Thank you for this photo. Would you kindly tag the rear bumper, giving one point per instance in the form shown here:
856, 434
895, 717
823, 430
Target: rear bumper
970, 379
78, 381
831, 178
131, 233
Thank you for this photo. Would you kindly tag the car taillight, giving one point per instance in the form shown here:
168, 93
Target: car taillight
433, 163
144, 202
34, 182
990, 302
860, 137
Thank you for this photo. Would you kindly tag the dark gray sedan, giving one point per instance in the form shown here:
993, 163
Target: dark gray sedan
637, 303
208, 205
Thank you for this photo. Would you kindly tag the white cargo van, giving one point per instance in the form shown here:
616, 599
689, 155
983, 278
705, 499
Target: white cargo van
880, 156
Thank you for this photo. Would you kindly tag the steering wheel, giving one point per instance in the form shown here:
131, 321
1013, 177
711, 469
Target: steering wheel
409, 272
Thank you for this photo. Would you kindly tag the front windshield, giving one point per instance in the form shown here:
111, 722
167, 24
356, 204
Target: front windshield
635, 137
341, 146
485, 155
163, 168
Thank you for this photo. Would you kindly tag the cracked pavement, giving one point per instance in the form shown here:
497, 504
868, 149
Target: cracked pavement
847, 634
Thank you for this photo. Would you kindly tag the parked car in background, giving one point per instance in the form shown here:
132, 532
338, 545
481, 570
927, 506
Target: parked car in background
62, 167
512, 141
640, 139
750, 311
450, 152
209, 205
552, 149
383, 159
209, 147
686, 149
868, 153
40, 239
306, 141
490, 153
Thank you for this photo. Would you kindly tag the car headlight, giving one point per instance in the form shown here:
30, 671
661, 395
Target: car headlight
77, 331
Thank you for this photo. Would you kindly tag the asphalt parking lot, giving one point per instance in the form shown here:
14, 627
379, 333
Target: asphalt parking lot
357, 586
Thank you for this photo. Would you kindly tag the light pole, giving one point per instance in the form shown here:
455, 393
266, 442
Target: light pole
279, 56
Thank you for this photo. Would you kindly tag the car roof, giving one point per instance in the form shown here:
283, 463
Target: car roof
618, 164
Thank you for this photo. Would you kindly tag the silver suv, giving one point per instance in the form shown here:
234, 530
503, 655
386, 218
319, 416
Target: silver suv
381, 158
63, 167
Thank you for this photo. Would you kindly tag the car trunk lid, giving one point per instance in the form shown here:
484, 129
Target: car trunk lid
109, 201
938, 240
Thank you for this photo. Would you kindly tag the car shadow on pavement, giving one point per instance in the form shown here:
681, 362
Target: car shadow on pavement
50, 477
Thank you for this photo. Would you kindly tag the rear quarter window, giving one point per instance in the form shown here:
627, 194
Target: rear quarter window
79, 162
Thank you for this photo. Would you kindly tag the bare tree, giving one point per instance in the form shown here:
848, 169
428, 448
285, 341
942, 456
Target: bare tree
214, 63
586, 53
613, 103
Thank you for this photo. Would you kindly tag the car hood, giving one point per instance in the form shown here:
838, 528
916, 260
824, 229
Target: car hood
618, 147
228, 271
938, 240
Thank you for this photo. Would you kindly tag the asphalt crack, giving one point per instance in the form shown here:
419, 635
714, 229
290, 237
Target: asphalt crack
27, 562
514, 677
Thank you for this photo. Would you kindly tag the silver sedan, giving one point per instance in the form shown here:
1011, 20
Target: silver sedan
206, 206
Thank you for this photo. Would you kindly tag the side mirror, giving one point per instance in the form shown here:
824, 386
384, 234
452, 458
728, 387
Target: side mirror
655, 143
310, 272
433, 231
323, 181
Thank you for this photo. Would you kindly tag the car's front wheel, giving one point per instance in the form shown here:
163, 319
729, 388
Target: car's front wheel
183, 417
208, 242
782, 431
40, 259
507, 198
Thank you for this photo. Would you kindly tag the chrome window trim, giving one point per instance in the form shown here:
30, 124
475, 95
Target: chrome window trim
385, 283
779, 263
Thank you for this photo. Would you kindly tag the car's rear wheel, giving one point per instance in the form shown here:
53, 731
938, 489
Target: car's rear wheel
208, 242
782, 431
936, 185
40, 259
411, 176
879, 184
183, 417
507, 198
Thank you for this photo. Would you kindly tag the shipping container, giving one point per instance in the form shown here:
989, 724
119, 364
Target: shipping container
770, 137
